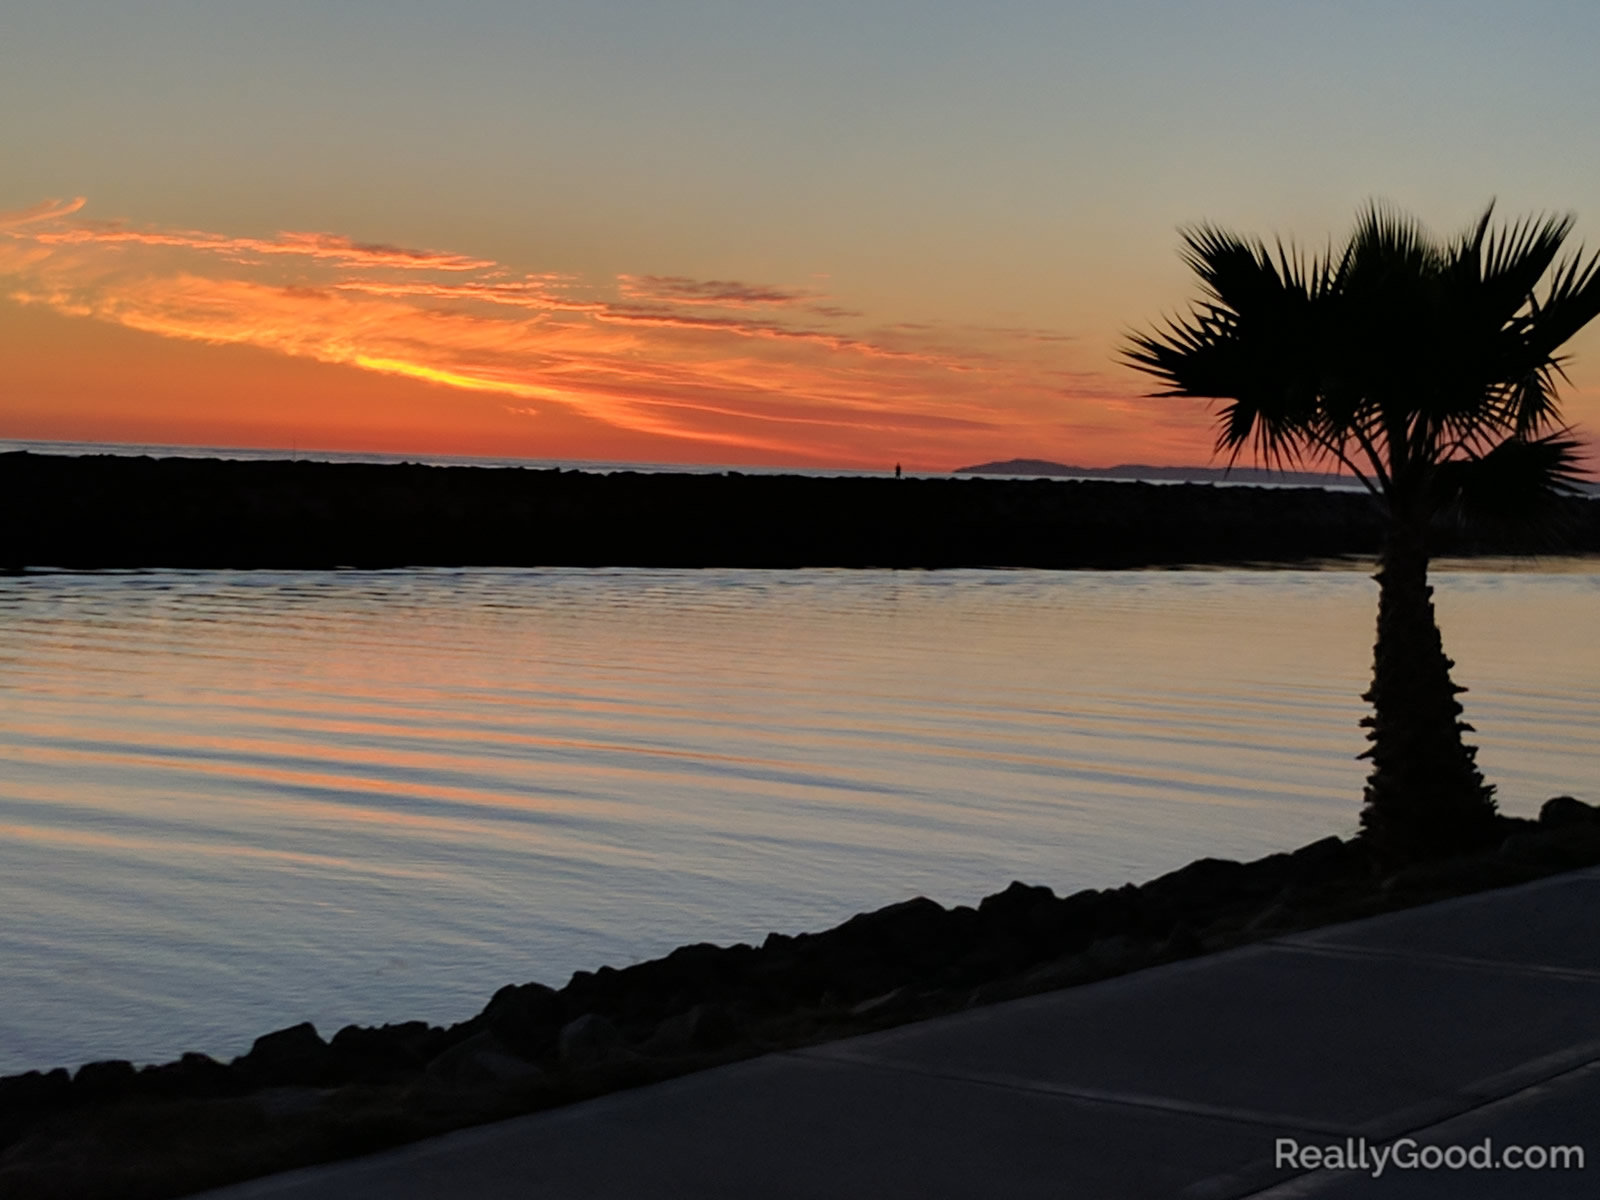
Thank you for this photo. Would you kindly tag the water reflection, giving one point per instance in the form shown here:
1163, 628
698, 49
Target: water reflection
234, 801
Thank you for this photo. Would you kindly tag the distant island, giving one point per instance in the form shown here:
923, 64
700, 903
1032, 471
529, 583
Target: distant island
1139, 471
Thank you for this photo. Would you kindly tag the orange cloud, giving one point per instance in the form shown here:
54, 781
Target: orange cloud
47, 210
767, 370
325, 246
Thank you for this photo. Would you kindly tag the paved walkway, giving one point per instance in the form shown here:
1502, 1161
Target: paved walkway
1472, 1019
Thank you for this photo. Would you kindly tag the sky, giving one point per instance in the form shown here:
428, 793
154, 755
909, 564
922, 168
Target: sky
820, 234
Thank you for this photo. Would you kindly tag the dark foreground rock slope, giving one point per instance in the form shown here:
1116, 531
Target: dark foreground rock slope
109, 511
111, 1129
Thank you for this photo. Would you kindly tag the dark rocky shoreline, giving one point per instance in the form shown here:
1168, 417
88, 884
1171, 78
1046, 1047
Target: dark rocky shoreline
105, 511
110, 1129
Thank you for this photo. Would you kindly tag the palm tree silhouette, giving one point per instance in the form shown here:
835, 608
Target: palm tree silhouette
1426, 368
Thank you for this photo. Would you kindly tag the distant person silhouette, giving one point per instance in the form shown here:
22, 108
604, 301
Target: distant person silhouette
897, 470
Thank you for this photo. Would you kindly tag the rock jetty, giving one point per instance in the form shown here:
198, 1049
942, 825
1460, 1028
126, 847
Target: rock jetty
104, 511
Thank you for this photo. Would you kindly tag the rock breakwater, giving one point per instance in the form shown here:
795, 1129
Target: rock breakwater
114, 1129
124, 512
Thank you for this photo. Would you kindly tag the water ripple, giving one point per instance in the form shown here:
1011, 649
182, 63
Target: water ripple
238, 800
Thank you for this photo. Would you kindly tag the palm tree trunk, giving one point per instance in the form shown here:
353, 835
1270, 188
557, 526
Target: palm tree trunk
1425, 797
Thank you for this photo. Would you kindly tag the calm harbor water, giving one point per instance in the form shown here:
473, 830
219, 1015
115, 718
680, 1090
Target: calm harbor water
234, 801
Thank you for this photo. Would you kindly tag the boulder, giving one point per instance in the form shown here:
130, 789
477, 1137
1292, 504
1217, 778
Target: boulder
1562, 847
289, 1100
526, 1018
370, 1054
35, 1089
700, 1028
109, 1079
1560, 812
912, 931
296, 1055
1015, 904
26, 1097
193, 1075
1037, 923
588, 1041
897, 1003
1323, 861
1462, 876
483, 1060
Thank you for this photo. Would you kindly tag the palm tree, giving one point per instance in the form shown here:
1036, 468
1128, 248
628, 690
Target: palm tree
1427, 369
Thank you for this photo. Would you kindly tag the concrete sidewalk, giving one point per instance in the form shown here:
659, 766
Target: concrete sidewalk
1471, 1019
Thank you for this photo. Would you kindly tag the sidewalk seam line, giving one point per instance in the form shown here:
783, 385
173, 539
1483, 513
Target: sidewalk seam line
1433, 958
1148, 1103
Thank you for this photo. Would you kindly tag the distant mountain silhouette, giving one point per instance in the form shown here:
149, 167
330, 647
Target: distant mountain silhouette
1039, 466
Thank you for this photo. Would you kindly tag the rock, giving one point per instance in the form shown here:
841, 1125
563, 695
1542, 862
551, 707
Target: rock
1114, 955
1560, 812
525, 1018
97, 1082
1125, 910
483, 1060
856, 980
588, 1041
296, 1055
1322, 861
589, 991
651, 991
891, 1004
1013, 905
384, 1052
34, 1090
995, 957
1040, 923
702, 1027
912, 931
1210, 887
1506, 826
193, 1075
1204, 883
1272, 919
1182, 942
1560, 848
997, 991
1067, 971
1461, 876
289, 1101
27, 1097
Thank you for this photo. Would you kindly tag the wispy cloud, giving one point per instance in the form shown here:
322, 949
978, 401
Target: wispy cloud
47, 210
770, 367
719, 293
325, 246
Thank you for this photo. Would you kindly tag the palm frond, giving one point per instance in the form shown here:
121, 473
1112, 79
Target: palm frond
1533, 403
1571, 302
1423, 364
1520, 485
1516, 257
1387, 240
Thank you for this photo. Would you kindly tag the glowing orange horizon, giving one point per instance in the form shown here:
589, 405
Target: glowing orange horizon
116, 333
526, 364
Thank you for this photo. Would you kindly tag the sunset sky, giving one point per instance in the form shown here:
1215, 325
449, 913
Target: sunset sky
822, 234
